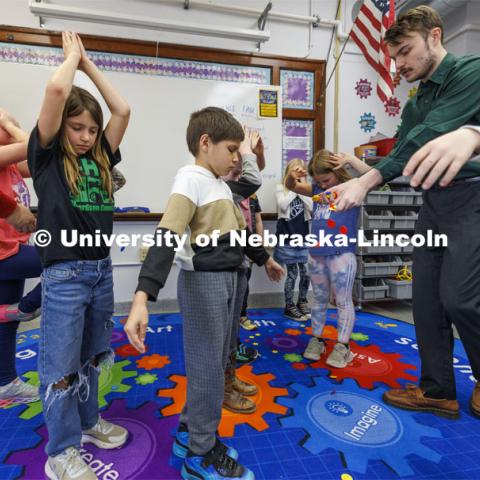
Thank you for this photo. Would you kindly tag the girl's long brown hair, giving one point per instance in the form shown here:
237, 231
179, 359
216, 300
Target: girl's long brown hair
78, 101
321, 164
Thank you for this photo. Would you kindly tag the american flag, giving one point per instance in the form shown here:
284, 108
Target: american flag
368, 32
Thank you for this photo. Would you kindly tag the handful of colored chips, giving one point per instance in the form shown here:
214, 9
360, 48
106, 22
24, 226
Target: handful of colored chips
326, 197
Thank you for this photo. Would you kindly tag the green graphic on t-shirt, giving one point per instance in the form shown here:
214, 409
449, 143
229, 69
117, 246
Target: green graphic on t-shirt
91, 197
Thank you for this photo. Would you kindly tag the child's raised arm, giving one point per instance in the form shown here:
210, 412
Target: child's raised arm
13, 153
58, 89
295, 184
341, 159
119, 108
12, 127
258, 149
13, 147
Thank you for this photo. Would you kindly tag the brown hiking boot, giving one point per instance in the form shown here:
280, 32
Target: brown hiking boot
232, 399
234, 402
412, 398
244, 388
475, 400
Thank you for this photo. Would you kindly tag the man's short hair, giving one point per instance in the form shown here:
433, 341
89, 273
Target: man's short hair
217, 123
421, 19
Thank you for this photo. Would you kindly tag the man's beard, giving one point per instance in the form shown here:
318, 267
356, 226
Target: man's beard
427, 66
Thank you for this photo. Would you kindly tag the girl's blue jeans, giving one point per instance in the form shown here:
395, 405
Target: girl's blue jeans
76, 326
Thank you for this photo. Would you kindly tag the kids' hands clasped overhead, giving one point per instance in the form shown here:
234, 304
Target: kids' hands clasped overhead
72, 45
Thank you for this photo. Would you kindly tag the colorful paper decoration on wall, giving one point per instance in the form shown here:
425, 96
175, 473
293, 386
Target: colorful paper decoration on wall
412, 92
392, 107
363, 88
367, 122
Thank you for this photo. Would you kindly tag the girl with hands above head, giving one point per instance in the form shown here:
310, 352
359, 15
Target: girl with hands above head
71, 155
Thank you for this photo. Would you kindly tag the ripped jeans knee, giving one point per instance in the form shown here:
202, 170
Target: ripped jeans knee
78, 383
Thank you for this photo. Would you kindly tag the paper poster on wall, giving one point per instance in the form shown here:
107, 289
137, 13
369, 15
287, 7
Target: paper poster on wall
297, 140
267, 103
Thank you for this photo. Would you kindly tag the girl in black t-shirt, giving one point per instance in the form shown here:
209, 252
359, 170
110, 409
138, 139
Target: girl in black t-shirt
71, 157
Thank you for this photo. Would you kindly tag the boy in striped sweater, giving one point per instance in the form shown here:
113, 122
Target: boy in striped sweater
201, 203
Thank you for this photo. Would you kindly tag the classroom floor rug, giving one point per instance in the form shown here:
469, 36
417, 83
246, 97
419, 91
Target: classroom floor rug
312, 421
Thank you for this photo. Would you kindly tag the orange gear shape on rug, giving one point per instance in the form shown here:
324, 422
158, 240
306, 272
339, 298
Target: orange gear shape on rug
149, 362
328, 332
264, 399
370, 365
293, 331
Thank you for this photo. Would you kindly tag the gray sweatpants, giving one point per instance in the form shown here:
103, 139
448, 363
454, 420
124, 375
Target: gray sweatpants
242, 283
208, 301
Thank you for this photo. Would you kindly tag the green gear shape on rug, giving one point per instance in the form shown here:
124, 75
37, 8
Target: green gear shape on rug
293, 357
111, 380
146, 379
359, 337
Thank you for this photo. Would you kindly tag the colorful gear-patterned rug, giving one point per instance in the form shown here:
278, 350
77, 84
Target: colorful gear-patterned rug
312, 421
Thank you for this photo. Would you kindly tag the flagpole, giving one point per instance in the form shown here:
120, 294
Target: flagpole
337, 86
335, 71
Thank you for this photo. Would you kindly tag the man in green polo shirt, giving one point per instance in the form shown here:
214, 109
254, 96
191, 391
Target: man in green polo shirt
446, 281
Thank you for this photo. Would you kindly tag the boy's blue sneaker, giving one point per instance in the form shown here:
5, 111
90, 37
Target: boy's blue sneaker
214, 465
180, 445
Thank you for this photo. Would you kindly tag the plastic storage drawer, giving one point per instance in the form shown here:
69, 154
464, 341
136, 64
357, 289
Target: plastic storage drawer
378, 198
400, 289
377, 220
385, 267
369, 291
402, 198
405, 220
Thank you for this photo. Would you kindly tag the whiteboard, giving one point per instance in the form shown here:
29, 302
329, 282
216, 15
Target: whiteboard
154, 147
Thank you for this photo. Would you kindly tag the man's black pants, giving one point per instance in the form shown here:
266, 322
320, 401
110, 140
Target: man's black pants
446, 285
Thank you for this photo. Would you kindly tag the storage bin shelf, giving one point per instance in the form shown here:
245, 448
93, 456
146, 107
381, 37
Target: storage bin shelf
381, 267
392, 211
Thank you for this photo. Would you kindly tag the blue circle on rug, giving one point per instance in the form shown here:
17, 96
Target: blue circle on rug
355, 419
